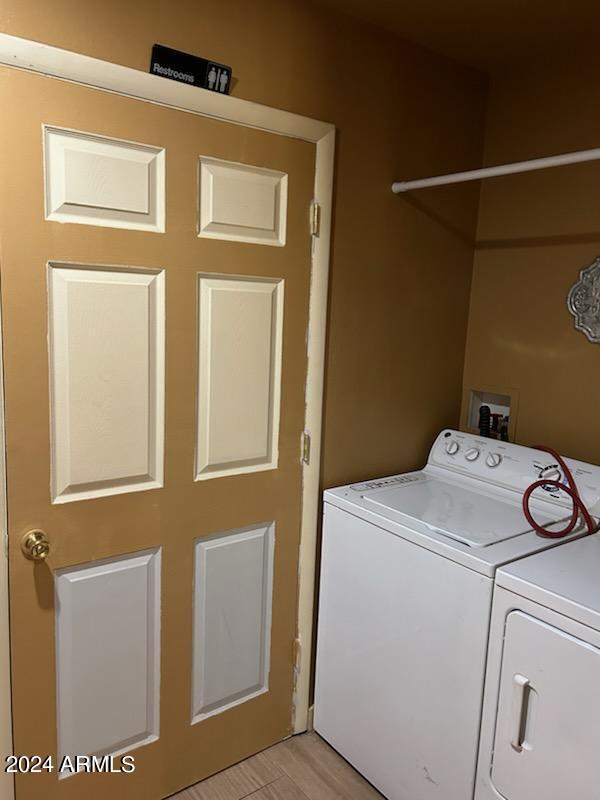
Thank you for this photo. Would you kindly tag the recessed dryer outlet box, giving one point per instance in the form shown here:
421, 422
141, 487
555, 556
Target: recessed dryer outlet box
500, 401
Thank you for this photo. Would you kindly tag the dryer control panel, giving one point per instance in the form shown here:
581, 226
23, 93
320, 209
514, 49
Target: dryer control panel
513, 466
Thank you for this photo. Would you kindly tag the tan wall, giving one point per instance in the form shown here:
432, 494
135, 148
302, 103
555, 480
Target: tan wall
401, 270
536, 232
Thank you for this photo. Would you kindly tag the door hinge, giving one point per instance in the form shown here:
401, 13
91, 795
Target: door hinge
306, 448
315, 218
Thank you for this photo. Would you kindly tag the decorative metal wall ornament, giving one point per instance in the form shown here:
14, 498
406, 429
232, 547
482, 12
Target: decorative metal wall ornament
583, 301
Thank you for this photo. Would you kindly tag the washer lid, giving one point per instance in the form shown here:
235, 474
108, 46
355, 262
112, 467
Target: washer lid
464, 514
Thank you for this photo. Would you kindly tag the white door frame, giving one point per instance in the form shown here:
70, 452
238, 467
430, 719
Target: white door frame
6, 780
80, 69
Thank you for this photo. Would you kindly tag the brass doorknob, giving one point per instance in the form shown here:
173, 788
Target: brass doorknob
35, 545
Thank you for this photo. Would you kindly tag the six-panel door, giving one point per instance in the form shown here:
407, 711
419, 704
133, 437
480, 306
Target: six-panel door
155, 286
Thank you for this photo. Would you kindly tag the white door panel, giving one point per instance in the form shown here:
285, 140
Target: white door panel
548, 724
233, 587
106, 336
94, 180
239, 374
244, 203
108, 654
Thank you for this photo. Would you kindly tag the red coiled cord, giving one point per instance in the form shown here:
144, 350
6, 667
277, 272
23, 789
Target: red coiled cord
570, 487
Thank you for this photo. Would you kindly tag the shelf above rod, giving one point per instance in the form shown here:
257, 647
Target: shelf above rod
503, 169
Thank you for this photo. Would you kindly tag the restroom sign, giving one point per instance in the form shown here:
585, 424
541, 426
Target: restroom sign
193, 70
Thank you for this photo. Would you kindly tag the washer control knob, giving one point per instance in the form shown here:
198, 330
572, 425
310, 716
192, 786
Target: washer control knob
551, 474
472, 454
452, 447
493, 459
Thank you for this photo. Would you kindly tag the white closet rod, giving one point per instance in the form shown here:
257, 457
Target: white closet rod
503, 169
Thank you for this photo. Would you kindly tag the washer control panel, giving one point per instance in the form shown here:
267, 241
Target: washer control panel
471, 452
513, 466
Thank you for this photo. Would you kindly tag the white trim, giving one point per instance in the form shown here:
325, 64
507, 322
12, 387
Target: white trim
76, 68
86, 71
313, 423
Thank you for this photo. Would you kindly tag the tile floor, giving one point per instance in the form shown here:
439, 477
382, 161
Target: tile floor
301, 768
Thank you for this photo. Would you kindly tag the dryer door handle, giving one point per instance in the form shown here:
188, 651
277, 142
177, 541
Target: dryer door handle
520, 691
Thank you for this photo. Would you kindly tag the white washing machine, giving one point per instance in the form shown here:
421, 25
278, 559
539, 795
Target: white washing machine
407, 575
540, 737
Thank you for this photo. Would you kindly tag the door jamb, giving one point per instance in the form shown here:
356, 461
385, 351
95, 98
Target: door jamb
6, 780
77, 68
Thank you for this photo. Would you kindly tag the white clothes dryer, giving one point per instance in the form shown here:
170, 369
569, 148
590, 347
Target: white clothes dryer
540, 735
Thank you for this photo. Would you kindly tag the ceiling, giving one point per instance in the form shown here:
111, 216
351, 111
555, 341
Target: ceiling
487, 34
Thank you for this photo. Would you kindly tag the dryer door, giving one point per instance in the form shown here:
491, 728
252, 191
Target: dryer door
548, 723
